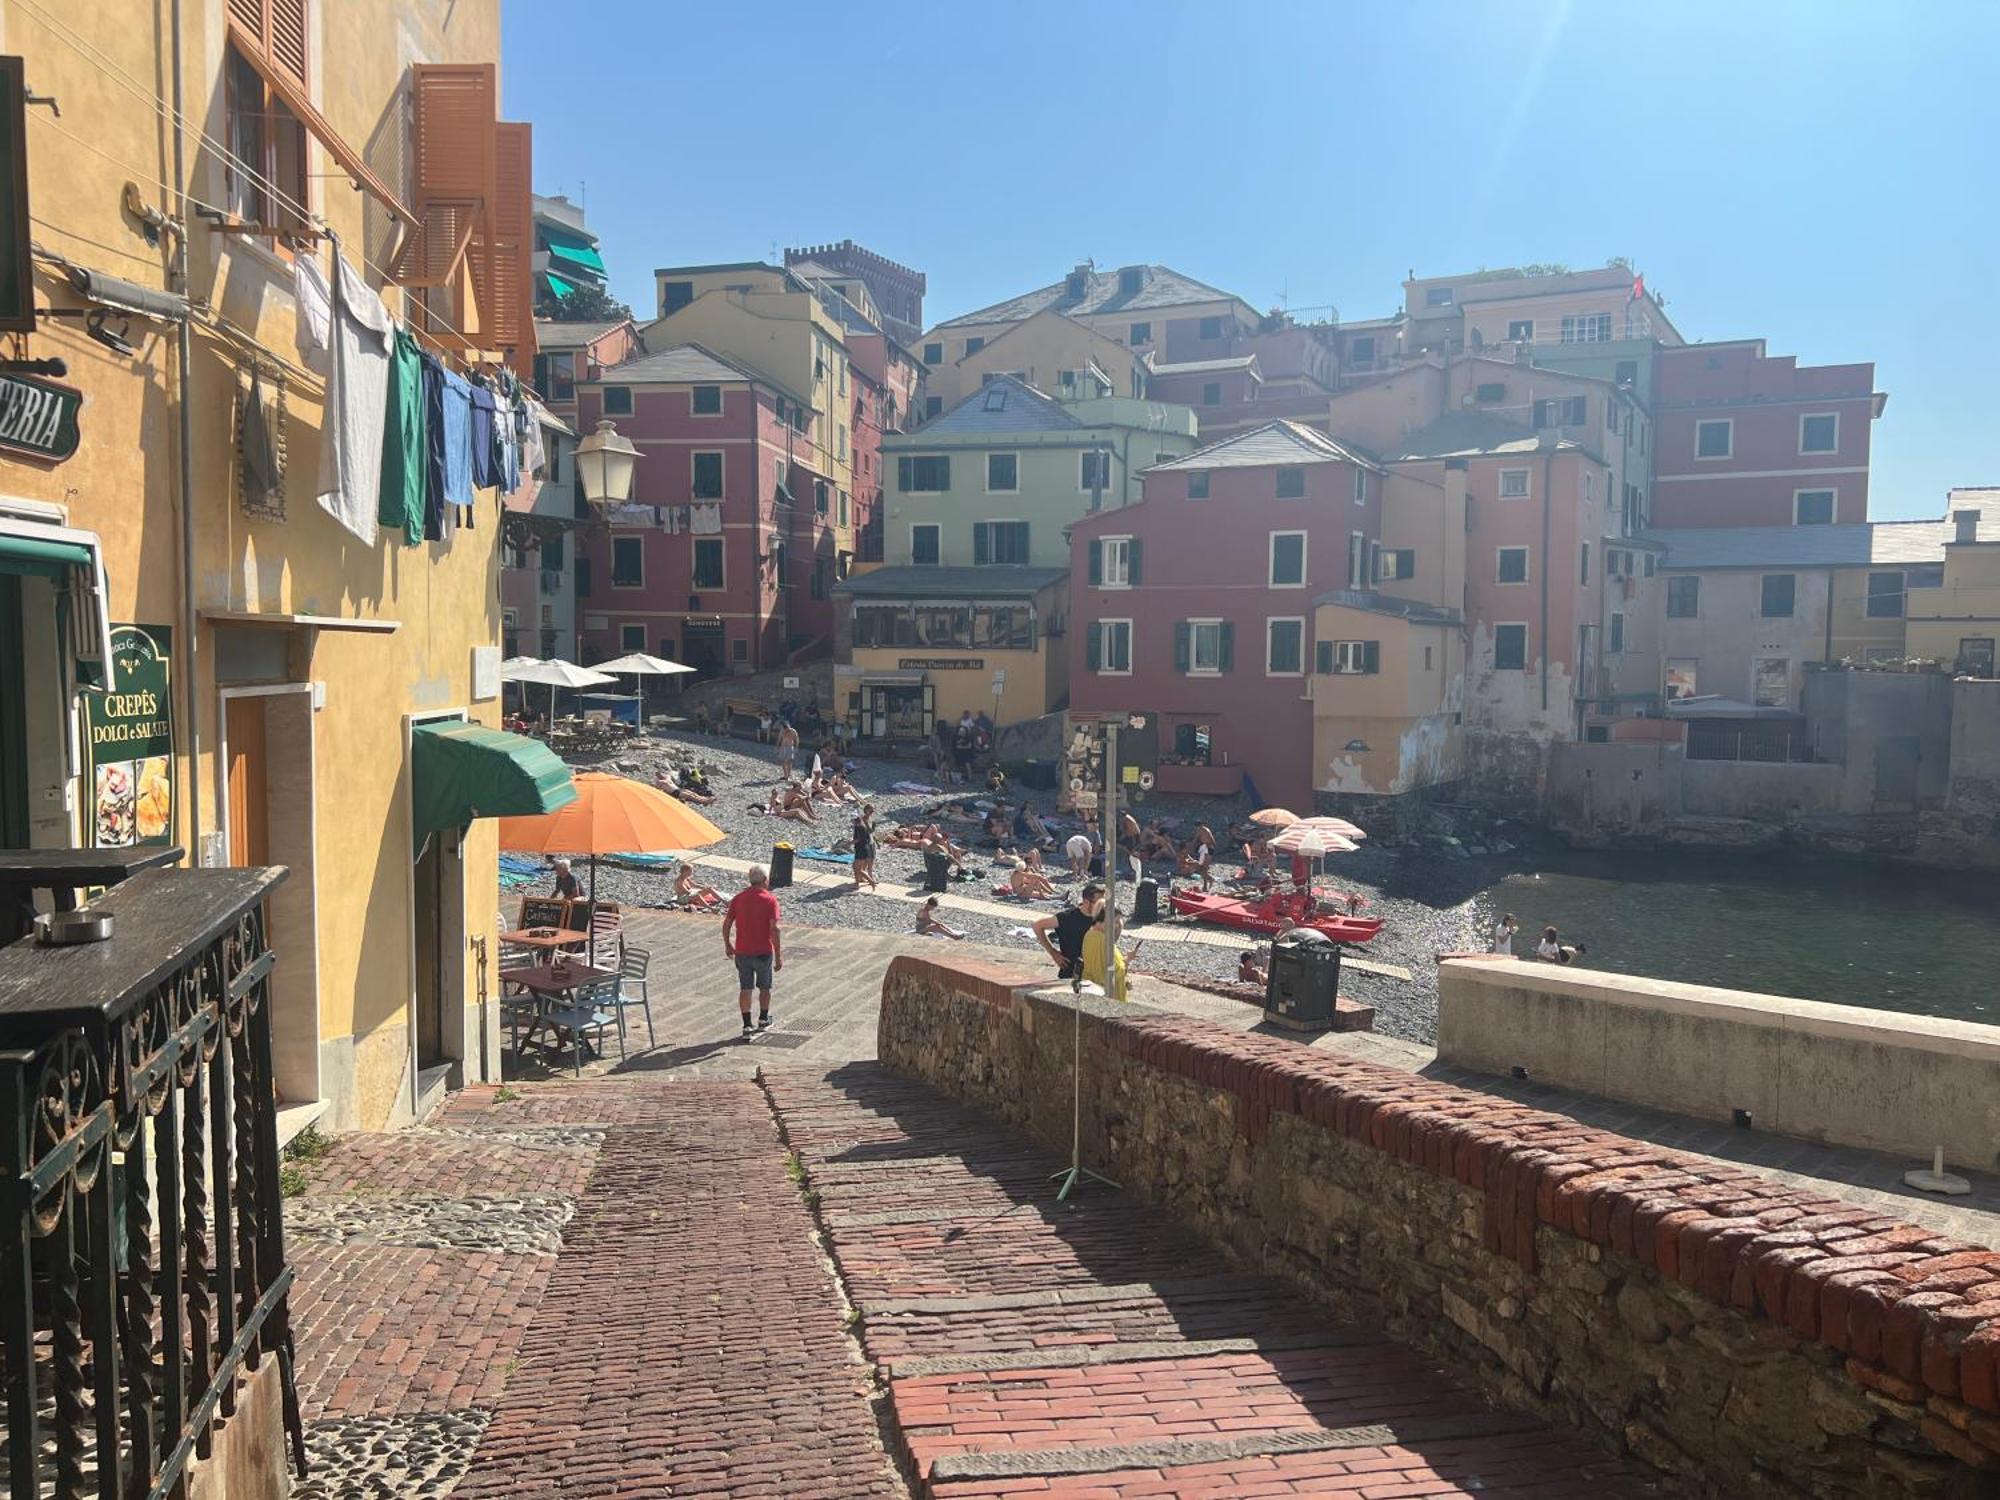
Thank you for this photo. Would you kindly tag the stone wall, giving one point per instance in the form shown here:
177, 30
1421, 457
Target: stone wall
1965, 831
1747, 1337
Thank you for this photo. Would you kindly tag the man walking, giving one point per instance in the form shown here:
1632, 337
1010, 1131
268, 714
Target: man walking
752, 920
1070, 925
788, 749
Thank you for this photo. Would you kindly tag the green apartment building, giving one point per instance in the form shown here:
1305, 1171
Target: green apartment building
998, 479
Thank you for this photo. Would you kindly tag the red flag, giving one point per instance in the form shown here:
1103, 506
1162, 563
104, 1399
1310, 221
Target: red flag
1638, 288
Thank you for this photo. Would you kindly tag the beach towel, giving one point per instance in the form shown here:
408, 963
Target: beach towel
825, 856
645, 861
518, 870
916, 789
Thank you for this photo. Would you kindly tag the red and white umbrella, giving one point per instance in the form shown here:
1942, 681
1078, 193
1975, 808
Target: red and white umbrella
1309, 839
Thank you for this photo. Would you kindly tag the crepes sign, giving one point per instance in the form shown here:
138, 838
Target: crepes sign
130, 762
38, 418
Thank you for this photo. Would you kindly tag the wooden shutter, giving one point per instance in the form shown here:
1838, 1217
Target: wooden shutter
982, 542
1096, 561
1183, 645
1323, 657
1225, 654
1093, 650
509, 277
1132, 562
456, 105
276, 29
903, 475
1371, 656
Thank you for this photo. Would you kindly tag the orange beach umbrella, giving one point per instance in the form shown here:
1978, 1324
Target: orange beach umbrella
611, 815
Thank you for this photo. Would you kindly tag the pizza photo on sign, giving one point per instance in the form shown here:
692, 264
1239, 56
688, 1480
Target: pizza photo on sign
155, 797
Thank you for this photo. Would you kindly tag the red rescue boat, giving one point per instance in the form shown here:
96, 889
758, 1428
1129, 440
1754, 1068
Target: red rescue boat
1271, 912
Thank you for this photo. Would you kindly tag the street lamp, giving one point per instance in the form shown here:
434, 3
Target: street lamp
604, 463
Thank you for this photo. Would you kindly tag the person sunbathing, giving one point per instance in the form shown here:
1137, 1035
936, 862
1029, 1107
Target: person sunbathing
930, 926
791, 802
1248, 970
1031, 885
1036, 828
842, 789
681, 787
689, 894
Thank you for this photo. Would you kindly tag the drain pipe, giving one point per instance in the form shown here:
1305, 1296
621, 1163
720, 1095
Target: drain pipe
184, 360
1548, 480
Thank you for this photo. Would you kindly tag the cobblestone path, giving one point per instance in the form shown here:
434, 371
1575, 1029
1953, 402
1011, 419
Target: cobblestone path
1096, 1349
592, 1289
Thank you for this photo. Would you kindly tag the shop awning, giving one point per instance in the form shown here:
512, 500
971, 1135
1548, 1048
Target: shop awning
578, 255
461, 771
74, 561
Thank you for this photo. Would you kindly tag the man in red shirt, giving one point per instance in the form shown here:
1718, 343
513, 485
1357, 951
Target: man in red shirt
753, 919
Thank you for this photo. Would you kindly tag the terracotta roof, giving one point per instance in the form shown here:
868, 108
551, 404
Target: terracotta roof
1160, 287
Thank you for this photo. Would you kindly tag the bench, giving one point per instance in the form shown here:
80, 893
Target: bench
743, 716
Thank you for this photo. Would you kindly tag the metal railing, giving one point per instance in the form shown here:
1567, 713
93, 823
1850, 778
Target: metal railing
143, 1267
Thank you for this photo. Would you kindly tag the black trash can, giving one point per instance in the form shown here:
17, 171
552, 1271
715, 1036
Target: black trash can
1305, 978
781, 865
937, 871
1145, 902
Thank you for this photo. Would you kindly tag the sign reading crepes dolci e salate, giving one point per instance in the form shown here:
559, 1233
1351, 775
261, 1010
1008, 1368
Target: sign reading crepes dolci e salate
38, 418
130, 748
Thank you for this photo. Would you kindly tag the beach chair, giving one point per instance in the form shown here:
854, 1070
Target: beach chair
632, 966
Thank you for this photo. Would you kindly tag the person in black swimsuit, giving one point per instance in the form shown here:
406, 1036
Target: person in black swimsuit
864, 846
1070, 925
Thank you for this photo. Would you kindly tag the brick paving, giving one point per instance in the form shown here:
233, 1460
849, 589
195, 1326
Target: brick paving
1097, 1348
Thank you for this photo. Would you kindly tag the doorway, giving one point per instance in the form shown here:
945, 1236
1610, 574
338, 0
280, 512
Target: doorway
269, 813
702, 648
439, 915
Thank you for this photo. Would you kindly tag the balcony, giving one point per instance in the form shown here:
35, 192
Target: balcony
144, 1275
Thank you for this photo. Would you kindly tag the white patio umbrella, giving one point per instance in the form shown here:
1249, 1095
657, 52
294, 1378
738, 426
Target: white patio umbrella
639, 664
557, 674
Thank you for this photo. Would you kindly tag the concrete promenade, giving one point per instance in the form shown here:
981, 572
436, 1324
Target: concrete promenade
672, 1278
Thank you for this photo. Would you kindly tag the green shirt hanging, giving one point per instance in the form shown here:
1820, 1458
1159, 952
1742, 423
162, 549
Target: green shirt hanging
405, 440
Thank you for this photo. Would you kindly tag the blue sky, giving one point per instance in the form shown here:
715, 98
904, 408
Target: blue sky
1820, 174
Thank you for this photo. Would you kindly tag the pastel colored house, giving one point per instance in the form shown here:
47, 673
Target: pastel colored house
569, 354
538, 553
1055, 353
919, 644
896, 290
1751, 439
1198, 603
998, 478
1957, 622
731, 535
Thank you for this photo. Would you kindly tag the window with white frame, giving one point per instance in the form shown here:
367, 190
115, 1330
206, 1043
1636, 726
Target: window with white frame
1510, 648
1115, 562
1284, 647
1288, 559
1715, 438
1511, 565
1003, 473
708, 562
1819, 432
632, 637
1587, 328
1109, 647
1348, 658
1204, 646
1812, 507
707, 401
1360, 485
1357, 560
1514, 484
999, 542
1093, 469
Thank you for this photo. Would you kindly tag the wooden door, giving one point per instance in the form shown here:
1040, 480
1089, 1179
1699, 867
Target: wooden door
249, 812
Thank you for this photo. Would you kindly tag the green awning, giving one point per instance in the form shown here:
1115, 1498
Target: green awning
39, 559
578, 255
556, 234
557, 285
461, 771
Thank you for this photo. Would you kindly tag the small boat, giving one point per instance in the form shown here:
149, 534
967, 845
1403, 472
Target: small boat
1269, 913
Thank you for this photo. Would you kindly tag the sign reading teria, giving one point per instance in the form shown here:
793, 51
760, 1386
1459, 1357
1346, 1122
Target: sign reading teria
38, 418
129, 765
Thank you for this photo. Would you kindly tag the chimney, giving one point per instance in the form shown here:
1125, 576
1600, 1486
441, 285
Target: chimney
1967, 522
1455, 472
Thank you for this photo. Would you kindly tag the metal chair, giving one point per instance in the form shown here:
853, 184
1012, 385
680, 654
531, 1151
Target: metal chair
632, 966
591, 1008
606, 938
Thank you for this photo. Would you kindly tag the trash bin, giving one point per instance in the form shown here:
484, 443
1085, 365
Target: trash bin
781, 865
1305, 978
937, 871
1145, 902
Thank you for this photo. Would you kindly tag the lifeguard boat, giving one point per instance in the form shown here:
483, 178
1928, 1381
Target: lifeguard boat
1268, 914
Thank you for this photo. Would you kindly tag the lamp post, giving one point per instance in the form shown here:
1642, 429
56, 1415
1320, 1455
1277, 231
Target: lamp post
604, 463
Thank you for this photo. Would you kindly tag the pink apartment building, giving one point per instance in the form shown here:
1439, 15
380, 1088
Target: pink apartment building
727, 545
1196, 603
1750, 439
570, 354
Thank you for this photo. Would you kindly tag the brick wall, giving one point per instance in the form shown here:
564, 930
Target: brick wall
1751, 1338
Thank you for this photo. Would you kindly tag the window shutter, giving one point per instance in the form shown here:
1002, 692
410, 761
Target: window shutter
1027, 550
1183, 634
509, 314
1096, 562
1093, 650
944, 472
903, 475
1225, 655
1132, 562
1371, 656
1323, 657
279, 29
982, 542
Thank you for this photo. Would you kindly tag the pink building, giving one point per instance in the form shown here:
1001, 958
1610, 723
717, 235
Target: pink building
726, 552
887, 399
570, 354
1748, 439
1196, 603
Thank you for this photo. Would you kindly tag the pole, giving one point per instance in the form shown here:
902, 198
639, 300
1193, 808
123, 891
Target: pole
190, 668
1076, 1171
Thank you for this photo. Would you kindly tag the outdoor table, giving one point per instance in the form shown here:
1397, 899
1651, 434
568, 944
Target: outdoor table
551, 987
550, 938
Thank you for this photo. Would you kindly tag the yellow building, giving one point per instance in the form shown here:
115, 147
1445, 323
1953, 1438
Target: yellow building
1958, 622
271, 694
920, 644
1057, 355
